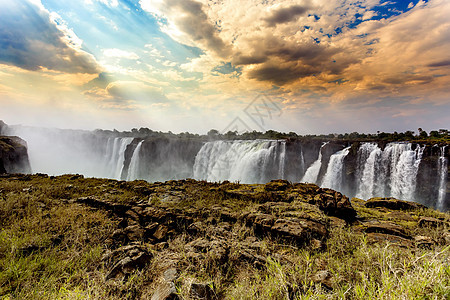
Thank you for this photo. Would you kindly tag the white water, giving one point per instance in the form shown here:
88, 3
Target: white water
442, 169
403, 179
133, 169
115, 156
368, 174
391, 172
312, 172
302, 162
282, 161
333, 176
243, 161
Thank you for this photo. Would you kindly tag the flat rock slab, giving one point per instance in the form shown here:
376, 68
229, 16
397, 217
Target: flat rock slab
394, 204
386, 228
392, 239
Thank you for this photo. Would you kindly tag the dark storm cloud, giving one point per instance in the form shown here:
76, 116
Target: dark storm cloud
443, 63
295, 61
285, 15
240, 59
30, 40
404, 79
281, 75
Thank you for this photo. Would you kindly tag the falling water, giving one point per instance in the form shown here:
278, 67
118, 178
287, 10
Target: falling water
333, 176
391, 172
368, 173
403, 179
302, 162
243, 161
133, 170
443, 170
282, 161
115, 156
312, 172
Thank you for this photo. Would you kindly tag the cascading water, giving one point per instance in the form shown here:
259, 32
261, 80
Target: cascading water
371, 171
302, 162
133, 169
282, 160
115, 156
391, 172
333, 176
403, 179
243, 161
443, 170
312, 172
368, 173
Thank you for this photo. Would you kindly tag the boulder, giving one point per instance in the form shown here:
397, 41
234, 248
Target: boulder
126, 260
166, 289
323, 277
424, 241
215, 248
299, 231
430, 222
386, 228
202, 291
335, 204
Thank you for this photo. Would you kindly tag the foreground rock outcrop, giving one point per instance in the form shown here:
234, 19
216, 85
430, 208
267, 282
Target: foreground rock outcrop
299, 215
190, 239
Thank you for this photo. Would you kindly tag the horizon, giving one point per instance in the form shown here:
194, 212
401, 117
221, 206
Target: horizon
414, 132
310, 67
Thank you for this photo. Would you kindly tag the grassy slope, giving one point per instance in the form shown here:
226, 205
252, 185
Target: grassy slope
52, 247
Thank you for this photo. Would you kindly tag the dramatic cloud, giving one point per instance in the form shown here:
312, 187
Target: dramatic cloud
285, 14
188, 21
193, 64
443, 63
31, 38
341, 47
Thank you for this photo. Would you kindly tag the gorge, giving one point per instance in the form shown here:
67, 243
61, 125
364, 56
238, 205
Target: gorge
363, 169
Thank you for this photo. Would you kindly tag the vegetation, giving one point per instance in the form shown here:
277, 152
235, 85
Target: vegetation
435, 136
55, 233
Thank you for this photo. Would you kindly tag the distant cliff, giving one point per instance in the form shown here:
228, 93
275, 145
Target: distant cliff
13, 155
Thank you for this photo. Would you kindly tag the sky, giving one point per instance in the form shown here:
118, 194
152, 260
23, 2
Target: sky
310, 66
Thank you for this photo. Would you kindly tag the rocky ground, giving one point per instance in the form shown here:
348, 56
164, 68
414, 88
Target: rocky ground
70, 237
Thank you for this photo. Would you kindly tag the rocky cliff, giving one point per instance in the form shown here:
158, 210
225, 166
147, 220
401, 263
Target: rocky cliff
13, 155
414, 171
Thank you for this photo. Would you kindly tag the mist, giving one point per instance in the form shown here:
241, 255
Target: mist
61, 151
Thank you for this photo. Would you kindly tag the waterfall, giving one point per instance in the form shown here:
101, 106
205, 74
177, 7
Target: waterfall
368, 174
333, 176
243, 161
312, 172
403, 179
302, 162
115, 156
282, 159
133, 169
108, 151
442, 170
391, 172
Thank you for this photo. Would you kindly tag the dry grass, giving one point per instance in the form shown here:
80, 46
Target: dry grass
51, 248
